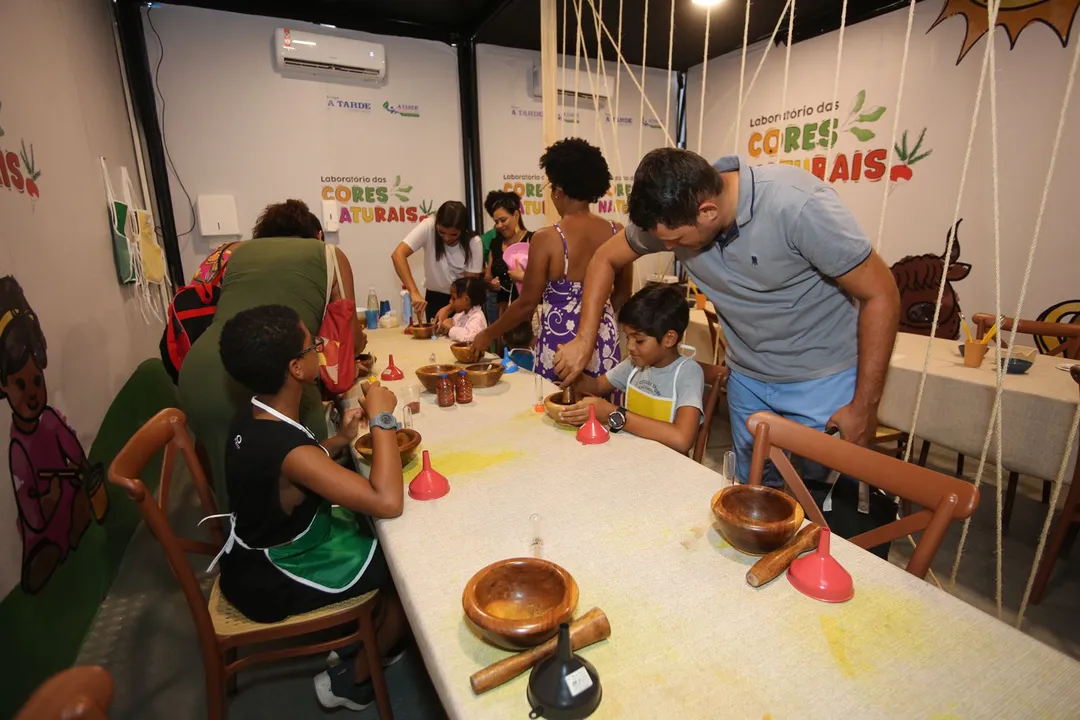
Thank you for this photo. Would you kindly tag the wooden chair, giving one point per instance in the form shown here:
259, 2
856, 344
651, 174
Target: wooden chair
716, 379
943, 499
1064, 533
716, 335
78, 693
222, 629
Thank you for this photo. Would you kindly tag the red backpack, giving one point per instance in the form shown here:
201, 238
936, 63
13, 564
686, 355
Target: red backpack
190, 313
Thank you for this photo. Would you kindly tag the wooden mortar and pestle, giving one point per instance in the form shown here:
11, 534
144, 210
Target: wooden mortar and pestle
775, 563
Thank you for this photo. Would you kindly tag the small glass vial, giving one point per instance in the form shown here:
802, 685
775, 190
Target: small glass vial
444, 391
463, 388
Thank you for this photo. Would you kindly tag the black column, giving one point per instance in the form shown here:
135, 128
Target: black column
470, 129
140, 82
680, 111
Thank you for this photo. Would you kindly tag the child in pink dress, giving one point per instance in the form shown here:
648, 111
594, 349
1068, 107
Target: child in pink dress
467, 296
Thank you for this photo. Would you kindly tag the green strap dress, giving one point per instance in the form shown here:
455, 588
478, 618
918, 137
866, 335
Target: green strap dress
266, 271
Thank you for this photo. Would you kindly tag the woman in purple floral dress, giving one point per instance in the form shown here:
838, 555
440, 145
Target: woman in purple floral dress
558, 257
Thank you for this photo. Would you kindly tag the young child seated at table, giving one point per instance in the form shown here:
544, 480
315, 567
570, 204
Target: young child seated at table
467, 297
301, 536
663, 389
519, 341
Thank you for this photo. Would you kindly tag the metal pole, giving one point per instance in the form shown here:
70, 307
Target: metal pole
470, 129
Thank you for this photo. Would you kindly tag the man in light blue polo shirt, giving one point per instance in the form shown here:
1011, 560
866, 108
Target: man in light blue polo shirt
809, 309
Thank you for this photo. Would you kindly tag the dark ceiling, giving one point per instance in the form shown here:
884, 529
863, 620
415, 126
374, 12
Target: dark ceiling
516, 23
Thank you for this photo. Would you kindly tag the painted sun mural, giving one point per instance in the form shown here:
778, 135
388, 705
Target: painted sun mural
1013, 15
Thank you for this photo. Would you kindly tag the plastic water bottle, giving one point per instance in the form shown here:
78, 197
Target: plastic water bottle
406, 306
372, 309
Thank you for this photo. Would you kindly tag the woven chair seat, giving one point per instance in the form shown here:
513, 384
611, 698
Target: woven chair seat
229, 621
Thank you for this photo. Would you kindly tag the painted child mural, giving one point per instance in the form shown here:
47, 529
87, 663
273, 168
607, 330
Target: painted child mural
56, 490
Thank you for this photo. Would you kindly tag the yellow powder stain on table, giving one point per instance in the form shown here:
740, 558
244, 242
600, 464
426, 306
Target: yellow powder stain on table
842, 645
462, 462
945, 716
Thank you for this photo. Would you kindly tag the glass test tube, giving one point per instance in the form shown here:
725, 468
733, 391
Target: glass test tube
537, 537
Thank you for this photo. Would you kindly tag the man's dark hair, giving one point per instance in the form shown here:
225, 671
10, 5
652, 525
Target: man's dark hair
291, 218
504, 200
577, 168
655, 309
669, 185
473, 287
258, 344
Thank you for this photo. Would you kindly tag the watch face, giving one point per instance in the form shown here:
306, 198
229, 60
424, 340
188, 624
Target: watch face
617, 420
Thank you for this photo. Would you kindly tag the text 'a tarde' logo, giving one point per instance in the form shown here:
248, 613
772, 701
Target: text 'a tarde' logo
402, 109
337, 103
568, 116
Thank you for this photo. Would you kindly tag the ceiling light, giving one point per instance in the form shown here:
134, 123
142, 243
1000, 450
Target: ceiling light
706, 3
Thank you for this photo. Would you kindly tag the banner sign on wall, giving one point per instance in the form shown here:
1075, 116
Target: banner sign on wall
372, 199
19, 172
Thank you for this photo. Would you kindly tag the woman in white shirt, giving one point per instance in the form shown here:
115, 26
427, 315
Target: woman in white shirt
451, 250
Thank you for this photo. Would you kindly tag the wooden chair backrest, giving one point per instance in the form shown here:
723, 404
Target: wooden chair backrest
78, 693
716, 380
942, 498
1067, 334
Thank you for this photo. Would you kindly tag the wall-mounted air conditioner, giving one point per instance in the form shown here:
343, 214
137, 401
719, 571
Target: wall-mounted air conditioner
328, 56
571, 84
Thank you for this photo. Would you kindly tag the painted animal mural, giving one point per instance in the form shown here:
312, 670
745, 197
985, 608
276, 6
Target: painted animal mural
918, 277
57, 492
1062, 312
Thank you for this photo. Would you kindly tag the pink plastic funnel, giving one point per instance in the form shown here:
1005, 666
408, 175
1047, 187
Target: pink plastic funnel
592, 432
392, 371
428, 484
820, 576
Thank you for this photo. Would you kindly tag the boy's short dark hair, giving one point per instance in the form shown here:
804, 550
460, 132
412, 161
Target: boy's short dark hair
257, 345
473, 287
520, 336
656, 309
669, 185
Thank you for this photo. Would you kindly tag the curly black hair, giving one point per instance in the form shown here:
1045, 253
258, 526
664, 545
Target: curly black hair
21, 337
258, 344
504, 200
577, 168
655, 309
291, 218
669, 185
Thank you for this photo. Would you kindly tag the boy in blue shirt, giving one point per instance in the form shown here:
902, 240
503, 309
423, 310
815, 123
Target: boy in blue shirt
663, 389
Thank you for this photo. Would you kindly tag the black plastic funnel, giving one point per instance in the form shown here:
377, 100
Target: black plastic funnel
564, 687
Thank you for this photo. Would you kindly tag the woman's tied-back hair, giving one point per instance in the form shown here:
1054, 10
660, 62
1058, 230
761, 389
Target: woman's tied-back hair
669, 186
258, 344
291, 218
504, 200
577, 168
21, 337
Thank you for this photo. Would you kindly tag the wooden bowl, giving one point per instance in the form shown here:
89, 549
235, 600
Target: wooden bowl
756, 519
408, 440
465, 353
423, 332
519, 603
429, 374
484, 375
554, 405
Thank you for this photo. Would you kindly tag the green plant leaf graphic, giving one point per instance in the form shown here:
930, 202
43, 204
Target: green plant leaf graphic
918, 145
397, 181
401, 197
912, 161
859, 100
872, 116
862, 133
406, 189
899, 152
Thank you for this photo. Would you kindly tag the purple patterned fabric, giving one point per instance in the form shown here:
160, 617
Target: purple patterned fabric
558, 324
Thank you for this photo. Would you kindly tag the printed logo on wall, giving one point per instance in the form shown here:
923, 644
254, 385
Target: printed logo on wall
866, 162
1062, 312
339, 103
402, 109
651, 123
1013, 15
369, 199
618, 119
568, 116
19, 172
530, 187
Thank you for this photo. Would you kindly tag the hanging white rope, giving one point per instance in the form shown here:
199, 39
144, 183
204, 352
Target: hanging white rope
641, 105
895, 127
787, 55
562, 84
836, 86
589, 75
577, 60
601, 70
742, 76
704, 76
667, 90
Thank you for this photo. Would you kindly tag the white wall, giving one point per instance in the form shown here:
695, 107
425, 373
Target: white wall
511, 129
939, 94
235, 126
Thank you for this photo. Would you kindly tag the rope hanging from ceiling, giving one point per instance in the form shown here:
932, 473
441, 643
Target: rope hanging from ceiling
836, 83
705, 74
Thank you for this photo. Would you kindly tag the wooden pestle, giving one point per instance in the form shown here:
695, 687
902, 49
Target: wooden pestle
592, 627
776, 562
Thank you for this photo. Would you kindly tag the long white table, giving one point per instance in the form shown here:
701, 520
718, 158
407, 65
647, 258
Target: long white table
630, 520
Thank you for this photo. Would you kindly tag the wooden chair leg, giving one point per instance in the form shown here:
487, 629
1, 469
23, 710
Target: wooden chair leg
1010, 498
1070, 538
216, 701
959, 465
230, 681
924, 453
1057, 539
374, 658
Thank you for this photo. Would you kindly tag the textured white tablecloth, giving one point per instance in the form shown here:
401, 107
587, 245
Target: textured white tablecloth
630, 520
1037, 408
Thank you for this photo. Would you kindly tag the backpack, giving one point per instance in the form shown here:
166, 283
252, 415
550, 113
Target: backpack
190, 313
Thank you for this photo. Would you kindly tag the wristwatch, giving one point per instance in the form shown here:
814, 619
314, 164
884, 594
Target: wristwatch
385, 421
617, 420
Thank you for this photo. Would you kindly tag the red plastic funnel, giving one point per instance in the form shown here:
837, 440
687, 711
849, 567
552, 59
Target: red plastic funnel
820, 576
392, 371
592, 432
428, 484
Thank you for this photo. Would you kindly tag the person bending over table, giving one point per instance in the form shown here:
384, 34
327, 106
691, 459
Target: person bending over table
663, 389
300, 536
451, 251
558, 256
810, 310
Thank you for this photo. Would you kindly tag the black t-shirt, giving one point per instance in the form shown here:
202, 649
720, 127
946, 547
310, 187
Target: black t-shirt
499, 269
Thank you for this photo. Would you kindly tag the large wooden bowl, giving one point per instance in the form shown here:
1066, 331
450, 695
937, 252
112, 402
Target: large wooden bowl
519, 603
484, 375
465, 353
423, 332
756, 519
429, 375
554, 404
408, 440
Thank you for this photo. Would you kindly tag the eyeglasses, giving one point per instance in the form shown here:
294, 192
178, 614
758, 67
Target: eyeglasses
318, 345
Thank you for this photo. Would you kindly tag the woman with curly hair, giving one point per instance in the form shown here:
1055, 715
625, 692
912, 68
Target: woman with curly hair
558, 257
285, 264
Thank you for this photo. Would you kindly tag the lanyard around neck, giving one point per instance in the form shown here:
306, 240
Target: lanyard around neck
281, 417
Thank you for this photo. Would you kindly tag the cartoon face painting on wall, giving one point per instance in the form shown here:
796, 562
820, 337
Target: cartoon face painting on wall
918, 277
57, 491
